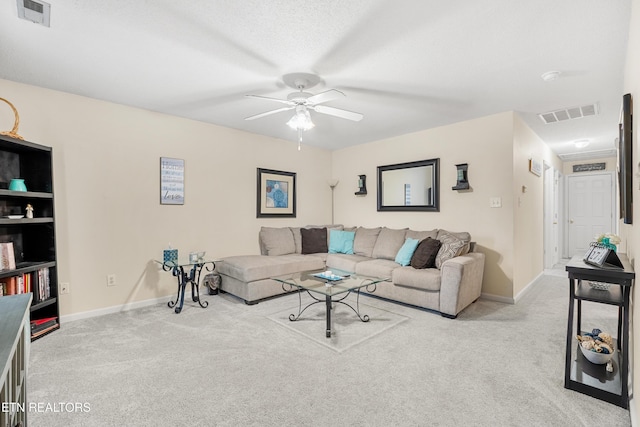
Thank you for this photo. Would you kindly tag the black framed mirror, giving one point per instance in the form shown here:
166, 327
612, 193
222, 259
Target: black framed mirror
413, 186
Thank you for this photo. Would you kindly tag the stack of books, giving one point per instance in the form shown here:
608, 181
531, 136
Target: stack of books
42, 326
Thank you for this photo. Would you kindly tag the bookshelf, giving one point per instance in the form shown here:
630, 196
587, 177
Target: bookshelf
32, 239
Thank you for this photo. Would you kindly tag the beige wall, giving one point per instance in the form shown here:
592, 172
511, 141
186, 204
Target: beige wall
106, 169
528, 207
486, 145
631, 233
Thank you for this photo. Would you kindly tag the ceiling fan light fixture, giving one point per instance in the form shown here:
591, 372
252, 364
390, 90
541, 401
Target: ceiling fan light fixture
301, 120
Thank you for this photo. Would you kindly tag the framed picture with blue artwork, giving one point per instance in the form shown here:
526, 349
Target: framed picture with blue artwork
276, 194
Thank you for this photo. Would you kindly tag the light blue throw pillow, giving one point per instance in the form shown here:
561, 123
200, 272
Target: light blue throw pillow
406, 251
341, 242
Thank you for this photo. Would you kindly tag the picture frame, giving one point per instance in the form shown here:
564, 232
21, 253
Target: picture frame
535, 167
276, 194
171, 181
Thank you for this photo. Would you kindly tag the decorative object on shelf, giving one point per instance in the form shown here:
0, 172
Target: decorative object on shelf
535, 167
603, 256
171, 181
599, 286
14, 131
17, 184
276, 194
170, 254
196, 256
462, 179
597, 346
29, 210
362, 185
608, 240
7, 256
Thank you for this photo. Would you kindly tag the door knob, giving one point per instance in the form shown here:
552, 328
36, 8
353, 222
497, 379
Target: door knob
570, 221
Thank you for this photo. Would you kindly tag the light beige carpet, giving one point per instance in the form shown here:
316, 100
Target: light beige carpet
347, 329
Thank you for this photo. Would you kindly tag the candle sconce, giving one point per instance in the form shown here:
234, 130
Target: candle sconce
463, 180
362, 185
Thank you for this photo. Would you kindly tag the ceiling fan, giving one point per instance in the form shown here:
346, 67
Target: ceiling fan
302, 102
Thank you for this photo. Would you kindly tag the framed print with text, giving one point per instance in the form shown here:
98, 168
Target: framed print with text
171, 181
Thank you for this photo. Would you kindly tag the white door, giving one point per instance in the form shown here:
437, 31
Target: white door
551, 217
590, 210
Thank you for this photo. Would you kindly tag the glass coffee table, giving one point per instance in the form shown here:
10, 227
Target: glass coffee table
329, 287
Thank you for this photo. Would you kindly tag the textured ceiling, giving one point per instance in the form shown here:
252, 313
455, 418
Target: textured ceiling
407, 65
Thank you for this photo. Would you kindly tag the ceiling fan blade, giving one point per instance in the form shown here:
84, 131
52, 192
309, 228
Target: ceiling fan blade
268, 113
326, 96
344, 114
282, 101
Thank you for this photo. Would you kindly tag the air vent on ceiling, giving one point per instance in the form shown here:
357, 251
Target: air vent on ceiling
38, 12
569, 114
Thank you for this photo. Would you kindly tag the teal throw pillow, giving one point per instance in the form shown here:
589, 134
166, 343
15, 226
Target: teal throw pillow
406, 251
341, 242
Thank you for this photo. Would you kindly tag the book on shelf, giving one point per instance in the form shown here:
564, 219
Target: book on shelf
7, 256
44, 331
37, 282
39, 325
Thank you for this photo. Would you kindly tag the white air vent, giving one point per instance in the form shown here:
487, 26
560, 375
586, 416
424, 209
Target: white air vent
38, 12
569, 114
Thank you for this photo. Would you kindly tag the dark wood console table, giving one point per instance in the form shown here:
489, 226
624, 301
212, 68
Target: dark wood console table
580, 374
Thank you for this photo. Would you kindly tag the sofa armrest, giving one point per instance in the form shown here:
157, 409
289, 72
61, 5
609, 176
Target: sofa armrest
461, 282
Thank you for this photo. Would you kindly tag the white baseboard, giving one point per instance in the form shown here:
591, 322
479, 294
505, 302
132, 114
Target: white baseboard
118, 308
498, 298
632, 412
509, 300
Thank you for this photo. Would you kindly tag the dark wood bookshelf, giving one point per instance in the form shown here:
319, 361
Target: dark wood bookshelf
33, 239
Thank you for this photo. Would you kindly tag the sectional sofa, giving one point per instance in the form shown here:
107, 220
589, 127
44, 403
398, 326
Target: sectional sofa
447, 288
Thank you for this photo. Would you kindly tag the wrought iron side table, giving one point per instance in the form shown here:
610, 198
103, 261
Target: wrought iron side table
187, 272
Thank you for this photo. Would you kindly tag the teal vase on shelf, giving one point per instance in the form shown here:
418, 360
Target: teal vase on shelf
607, 243
17, 184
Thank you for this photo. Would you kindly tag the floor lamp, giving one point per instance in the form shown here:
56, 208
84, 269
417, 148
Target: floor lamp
332, 183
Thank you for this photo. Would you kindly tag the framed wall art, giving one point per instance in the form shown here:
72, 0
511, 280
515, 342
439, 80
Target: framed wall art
276, 194
171, 181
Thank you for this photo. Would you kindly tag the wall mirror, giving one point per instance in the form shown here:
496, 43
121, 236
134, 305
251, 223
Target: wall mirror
412, 186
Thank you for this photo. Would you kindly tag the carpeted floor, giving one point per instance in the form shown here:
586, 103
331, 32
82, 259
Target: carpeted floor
232, 364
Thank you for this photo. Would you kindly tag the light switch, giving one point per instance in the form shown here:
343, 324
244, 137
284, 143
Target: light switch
495, 202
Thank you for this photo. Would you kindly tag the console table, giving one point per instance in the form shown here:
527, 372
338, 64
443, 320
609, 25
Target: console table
580, 374
187, 271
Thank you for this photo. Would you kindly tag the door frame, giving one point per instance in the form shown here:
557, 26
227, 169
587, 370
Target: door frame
553, 200
614, 206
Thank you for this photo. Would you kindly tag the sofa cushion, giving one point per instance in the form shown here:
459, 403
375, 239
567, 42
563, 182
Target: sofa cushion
277, 241
297, 239
314, 240
344, 262
451, 247
249, 268
341, 242
427, 279
377, 268
388, 243
425, 254
365, 241
406, 251
462, 235
421, 235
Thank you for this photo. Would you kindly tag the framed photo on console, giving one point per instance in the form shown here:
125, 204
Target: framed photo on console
276, 194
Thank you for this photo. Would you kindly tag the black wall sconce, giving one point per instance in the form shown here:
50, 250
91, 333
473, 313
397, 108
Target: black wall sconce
463, 180
362, 185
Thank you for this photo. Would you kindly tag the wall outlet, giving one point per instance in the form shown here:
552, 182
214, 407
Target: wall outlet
111, 280
495, 202
65, 288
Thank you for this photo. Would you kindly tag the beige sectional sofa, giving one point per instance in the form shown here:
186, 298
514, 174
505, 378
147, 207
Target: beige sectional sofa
447, 289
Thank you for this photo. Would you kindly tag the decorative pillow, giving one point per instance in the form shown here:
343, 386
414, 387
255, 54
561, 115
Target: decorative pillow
425, 254
388, 243
314, 240
365, 241
341, 242
462, 235
406, 251
277, 241
451, 247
